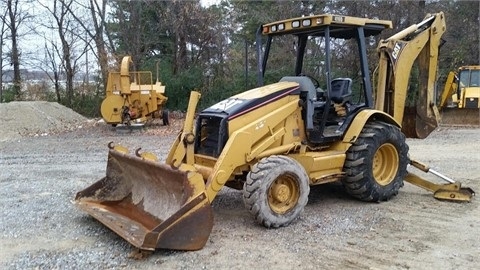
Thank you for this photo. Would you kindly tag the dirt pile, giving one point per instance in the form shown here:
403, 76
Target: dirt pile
37, 118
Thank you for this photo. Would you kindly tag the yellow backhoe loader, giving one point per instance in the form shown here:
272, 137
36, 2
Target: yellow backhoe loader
132, 97
460, 99
275, 141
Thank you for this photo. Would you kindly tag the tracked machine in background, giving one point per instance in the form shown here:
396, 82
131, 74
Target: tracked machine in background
460, 99
275, 141
131, 97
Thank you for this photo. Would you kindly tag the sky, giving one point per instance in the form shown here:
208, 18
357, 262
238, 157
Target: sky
207, 3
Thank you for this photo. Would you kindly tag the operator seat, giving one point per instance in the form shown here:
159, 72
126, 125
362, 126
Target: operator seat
305, 84
341, 90
308, 90
341, 95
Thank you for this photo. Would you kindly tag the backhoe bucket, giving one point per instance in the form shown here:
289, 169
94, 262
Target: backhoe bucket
149, 204
460, 116
417, 124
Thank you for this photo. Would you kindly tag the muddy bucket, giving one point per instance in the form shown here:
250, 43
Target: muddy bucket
417, 124
151, 205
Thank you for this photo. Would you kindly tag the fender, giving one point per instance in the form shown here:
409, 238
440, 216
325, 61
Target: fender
361, 119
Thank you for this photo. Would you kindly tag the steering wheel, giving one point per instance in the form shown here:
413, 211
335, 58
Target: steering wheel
315, 82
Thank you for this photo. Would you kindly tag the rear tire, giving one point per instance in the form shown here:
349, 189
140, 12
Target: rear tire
376, 163
276, 191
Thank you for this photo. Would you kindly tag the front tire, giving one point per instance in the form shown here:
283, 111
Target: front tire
276, 191
376, 163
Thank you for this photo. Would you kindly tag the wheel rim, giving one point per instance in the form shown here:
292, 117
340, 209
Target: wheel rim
283, 194
385, 164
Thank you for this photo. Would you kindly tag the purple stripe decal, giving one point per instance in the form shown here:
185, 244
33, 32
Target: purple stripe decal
263, 103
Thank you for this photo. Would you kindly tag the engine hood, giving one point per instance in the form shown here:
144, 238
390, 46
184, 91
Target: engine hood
252, 99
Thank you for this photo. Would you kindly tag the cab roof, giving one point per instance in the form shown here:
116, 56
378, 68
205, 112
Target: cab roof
340, 26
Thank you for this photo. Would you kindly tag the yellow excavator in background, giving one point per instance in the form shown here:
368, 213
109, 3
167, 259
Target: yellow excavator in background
460, 99
274, 141
132, 97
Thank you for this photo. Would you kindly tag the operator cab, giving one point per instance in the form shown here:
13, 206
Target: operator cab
331, 94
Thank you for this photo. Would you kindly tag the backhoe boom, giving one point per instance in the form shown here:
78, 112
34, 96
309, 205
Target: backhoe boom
419, 42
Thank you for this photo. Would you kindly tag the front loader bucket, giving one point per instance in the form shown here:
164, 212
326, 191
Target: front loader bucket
149, 204
460, 116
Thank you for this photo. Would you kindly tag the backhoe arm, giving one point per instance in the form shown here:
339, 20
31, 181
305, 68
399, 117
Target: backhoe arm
450, 88
419, 42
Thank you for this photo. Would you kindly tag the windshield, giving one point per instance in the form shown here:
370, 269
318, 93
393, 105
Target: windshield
470, 78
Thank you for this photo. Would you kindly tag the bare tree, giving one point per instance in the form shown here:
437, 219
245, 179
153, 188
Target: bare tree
69, 36
52, 67
13, 19
49, 58
96, 13
3, 30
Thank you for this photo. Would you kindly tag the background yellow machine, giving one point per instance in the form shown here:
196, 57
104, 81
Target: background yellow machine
460, 99
275, 141
132, 97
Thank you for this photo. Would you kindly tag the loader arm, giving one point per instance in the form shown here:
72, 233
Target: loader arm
182, 150
419, 42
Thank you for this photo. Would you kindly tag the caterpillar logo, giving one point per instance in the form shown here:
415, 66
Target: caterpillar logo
396, 50
226, 104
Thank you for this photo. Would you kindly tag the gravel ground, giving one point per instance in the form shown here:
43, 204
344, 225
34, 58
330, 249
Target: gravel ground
41, 229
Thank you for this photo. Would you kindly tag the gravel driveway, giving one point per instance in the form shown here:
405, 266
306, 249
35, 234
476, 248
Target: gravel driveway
41, 229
